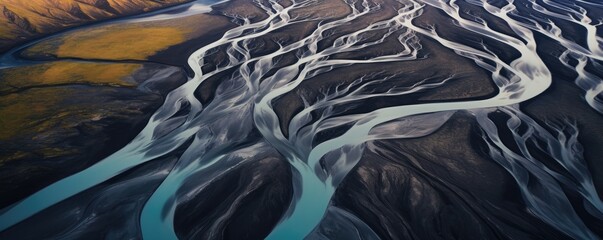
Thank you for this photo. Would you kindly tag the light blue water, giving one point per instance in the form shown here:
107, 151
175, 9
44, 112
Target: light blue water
222, 129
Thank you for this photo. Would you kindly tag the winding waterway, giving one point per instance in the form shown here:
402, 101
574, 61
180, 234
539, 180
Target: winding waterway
220, 135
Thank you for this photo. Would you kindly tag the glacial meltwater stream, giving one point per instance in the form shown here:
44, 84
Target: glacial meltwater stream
222, 134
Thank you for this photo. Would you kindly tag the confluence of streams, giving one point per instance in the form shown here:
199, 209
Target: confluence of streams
223, 133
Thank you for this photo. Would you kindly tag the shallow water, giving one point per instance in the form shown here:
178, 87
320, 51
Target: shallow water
220, 135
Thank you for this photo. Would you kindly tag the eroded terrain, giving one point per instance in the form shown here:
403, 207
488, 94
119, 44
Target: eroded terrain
328, 119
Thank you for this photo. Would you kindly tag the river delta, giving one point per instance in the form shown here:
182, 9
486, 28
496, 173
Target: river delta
308, 119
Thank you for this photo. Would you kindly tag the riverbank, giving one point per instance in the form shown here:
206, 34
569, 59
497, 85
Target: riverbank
21, 21
64, 111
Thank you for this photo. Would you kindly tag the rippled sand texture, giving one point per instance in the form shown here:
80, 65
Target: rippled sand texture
368, 119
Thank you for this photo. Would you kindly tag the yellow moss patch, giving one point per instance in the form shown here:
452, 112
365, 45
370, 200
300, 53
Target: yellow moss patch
127, 40
6, 31
46, 16
22, 112
120, 43
54, 152
10, 156
66, 72
44, 48
114, 42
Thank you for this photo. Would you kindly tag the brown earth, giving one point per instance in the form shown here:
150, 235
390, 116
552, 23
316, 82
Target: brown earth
21, 21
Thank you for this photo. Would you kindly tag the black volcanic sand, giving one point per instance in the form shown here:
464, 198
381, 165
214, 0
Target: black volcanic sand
96, 120
90, 120
565, 101
69, 126
114, 217
178, 54
441, 186
468, 82
244, 203
446, 186
436, 63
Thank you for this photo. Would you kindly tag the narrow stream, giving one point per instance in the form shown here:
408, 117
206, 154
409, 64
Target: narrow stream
221, 134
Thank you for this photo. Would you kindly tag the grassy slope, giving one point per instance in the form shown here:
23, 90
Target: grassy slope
24, 20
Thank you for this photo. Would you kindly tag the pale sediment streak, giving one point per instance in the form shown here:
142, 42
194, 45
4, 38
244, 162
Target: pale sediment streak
548, 25
540, 185
221, 133
155, 140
